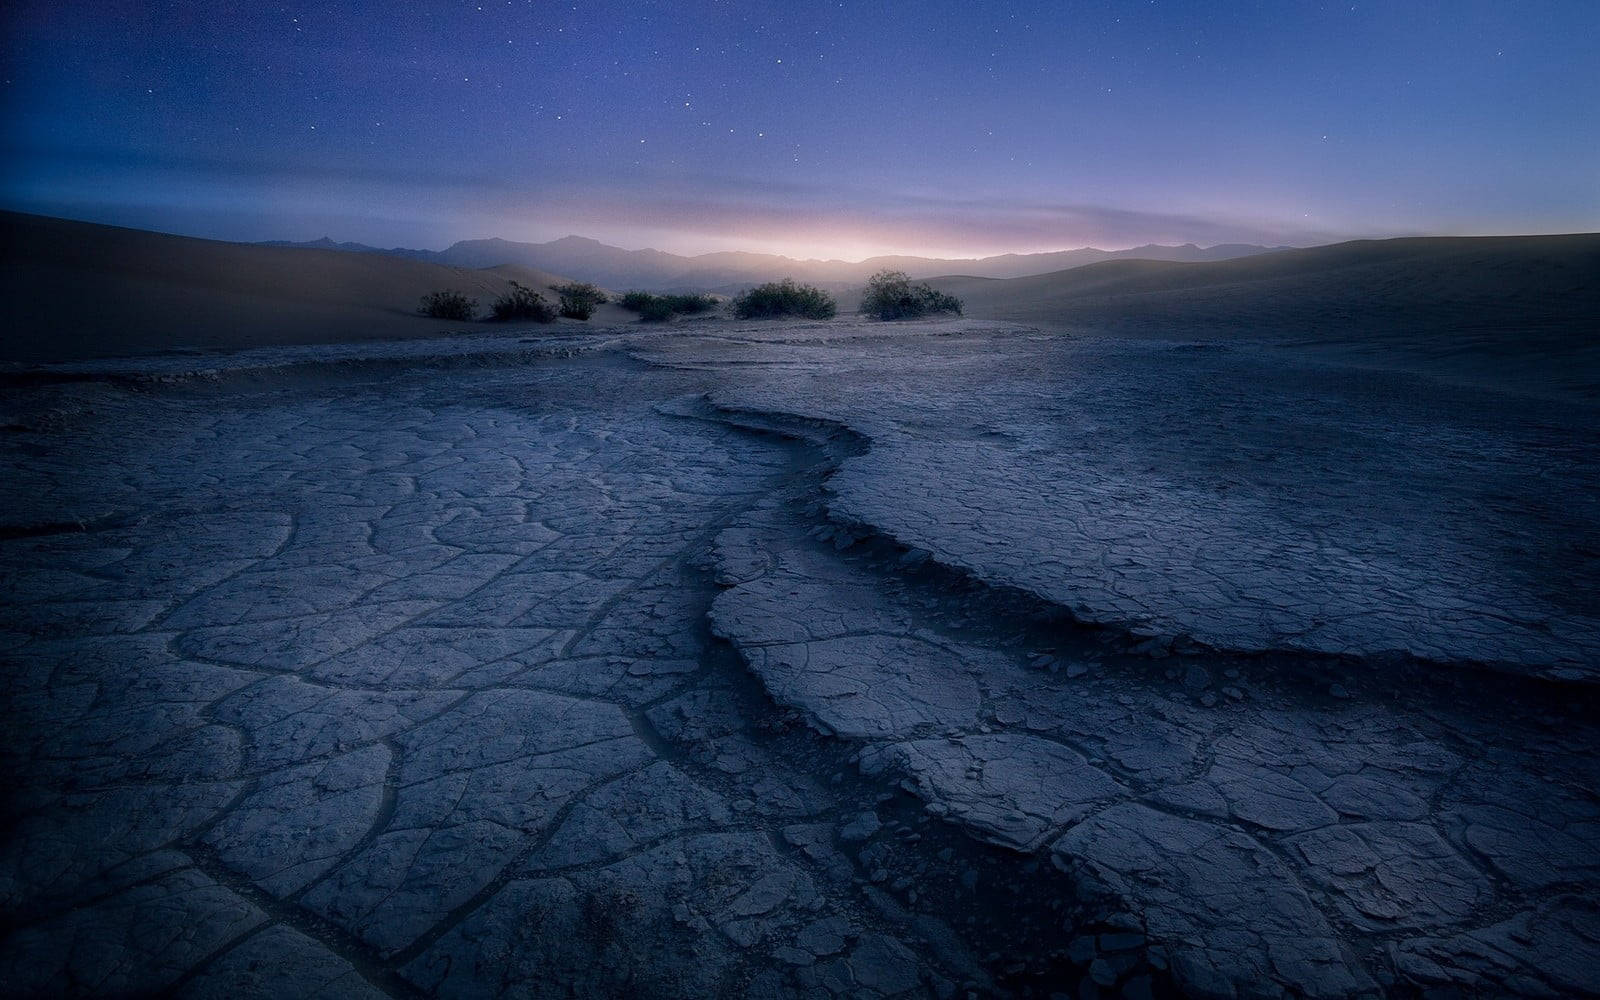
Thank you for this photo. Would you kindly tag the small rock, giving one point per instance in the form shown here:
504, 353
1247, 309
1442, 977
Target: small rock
825, 936
744, 933
860, 828
1102, 973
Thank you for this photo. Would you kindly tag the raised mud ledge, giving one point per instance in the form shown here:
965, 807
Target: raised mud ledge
843, 443
1237, 874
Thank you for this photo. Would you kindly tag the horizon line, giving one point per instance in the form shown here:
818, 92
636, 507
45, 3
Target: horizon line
798, 259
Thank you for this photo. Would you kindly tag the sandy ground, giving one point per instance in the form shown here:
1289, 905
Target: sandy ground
785, 660
1499, 311
78, 290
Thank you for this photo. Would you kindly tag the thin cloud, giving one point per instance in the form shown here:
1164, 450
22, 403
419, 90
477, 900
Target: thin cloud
892, 221
688, 213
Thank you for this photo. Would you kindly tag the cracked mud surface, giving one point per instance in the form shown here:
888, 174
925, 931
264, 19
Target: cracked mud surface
797, 661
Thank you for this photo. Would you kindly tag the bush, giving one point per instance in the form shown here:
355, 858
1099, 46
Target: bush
660, 308
636, 301
690, 305
891, 295
448, 304
522, 302
578, 299
784, 298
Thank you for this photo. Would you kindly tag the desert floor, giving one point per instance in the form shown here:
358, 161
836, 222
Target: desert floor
795, 660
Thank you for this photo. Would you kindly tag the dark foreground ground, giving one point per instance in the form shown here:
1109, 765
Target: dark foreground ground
811, 660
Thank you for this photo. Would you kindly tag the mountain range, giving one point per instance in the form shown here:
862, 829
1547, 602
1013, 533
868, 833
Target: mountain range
732, 271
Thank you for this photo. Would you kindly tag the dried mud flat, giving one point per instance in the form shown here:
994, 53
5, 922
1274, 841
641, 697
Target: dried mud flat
801, 660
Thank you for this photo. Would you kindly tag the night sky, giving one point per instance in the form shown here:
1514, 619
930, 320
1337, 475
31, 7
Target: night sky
836, 129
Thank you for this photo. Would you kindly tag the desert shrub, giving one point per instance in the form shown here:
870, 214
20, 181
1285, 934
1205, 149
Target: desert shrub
658, 309
891, 295
522, 302
690, 305
784, 298
636, 301
579, 298
935, 301
448, 304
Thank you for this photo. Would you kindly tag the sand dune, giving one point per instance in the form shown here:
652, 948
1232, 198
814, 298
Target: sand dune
1516, 311
78, 290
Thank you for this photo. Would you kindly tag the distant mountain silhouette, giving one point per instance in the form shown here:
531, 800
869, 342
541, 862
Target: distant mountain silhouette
328, 243
656, 270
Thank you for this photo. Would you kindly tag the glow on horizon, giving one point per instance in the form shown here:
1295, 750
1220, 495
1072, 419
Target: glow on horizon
844, 225
846, 249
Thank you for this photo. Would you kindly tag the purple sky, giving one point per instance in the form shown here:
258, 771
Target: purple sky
838, 129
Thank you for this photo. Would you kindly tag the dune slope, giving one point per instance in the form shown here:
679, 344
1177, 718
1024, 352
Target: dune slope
80, 290
1522, 311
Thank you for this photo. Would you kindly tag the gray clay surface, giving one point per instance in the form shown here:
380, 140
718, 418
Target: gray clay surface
839, 659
